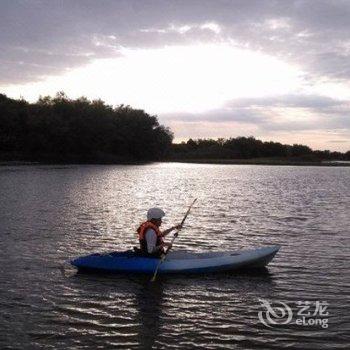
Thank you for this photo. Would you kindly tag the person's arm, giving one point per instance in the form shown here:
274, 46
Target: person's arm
151, 240
167, 231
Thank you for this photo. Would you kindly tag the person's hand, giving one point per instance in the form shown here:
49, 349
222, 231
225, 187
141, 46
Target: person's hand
178, 227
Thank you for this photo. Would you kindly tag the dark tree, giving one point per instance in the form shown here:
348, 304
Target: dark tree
63, 129
249, 148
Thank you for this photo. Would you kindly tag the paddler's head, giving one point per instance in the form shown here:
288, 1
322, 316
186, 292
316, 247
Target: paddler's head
155, 215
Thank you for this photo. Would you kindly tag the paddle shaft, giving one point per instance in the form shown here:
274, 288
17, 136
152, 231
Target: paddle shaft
177, 232
172, 241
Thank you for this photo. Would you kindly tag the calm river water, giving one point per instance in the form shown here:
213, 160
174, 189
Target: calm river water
49, 214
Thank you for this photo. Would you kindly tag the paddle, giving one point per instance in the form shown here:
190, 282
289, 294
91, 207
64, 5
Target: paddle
172, 241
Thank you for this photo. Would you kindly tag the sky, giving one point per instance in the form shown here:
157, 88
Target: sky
275, 70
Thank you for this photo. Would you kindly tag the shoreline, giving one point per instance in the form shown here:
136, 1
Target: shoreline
270, 162
70, 162
262, 161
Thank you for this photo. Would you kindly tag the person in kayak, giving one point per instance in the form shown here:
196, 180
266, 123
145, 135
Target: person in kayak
150, 236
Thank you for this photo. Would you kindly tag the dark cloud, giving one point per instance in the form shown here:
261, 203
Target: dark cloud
238, 115
290, 101
38, 38
312, 112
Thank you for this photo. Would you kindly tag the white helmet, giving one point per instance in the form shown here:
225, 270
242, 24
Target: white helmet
155, 213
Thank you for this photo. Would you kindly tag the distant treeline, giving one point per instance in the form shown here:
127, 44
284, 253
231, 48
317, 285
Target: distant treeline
62, 129
249, 148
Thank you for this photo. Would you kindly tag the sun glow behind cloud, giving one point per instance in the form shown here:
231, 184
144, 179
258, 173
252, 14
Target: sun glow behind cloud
191, 79
211, 90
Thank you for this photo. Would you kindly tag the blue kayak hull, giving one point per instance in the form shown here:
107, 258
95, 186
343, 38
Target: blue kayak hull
177, 262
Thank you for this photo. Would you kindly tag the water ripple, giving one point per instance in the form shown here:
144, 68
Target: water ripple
50, 214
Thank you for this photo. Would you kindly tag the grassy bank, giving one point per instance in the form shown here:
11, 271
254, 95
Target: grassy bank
260, 161
16, 158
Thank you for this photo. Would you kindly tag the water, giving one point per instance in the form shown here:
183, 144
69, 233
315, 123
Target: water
49, 214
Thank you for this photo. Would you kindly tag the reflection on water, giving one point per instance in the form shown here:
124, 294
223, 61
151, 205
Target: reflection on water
149, 300
174, 312
50, 214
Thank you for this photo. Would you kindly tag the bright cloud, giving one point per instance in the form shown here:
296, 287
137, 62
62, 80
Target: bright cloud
174, 79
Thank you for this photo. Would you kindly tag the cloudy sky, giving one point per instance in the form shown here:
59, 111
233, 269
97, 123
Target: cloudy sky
276, 70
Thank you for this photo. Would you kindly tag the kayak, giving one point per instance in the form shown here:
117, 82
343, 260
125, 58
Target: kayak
177, 261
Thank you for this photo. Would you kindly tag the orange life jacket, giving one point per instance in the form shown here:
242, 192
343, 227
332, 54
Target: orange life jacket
142, 236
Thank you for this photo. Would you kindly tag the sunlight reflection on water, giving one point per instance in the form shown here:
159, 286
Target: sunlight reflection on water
52, 213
